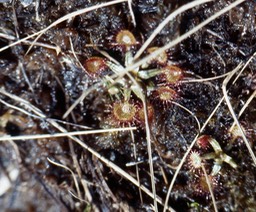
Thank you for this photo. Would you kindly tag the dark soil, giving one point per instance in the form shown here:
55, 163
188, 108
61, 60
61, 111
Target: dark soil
52, 81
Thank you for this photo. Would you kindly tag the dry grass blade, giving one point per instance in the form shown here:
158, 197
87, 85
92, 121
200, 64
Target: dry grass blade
81, 200
131, 12
74, 14
73, 175
178, 170
136, 165
141, 96
148, 137
81, 98
62, 19
192, 144
166, 21
181, 38
253, 94
210, 189
244, 108
226, 9
190, 112
18, 109
70, 135
12, 38
224, 89
205, 79
108, 163
23, 102
58, 135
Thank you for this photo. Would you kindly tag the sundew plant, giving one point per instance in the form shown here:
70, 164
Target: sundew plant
128, 105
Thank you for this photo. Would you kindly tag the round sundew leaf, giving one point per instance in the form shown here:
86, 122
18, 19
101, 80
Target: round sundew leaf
195, 160
161, 58
171, 74
203, 141
124, 111
125, 37
166, 94
94, 65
